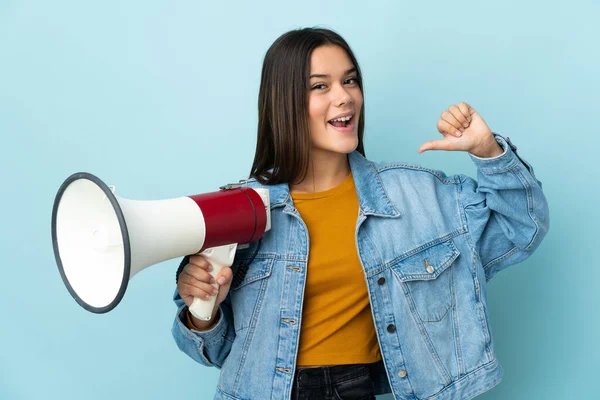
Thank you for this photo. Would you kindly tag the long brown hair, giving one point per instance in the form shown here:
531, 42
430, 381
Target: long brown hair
283, 143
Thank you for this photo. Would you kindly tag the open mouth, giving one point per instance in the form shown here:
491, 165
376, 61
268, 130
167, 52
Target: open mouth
341, 124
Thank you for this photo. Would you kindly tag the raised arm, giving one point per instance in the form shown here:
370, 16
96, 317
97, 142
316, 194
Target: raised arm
506, 210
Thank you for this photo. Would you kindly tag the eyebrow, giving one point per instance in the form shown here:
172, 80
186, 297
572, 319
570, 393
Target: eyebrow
353, 69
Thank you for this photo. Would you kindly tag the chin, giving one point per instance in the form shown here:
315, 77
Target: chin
336, 144
345, 148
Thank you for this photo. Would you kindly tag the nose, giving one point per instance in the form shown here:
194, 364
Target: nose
343, 97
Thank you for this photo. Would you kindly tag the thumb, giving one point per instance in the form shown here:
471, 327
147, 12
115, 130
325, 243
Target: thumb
441, 144
226, 273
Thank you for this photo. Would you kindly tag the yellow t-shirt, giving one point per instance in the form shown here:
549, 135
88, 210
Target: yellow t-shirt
337, 324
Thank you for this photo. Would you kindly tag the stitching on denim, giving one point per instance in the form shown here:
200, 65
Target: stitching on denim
498, 259
216, 340
353, 379
280, 257
229, 338
463, 215
224, 393
438, 174
373, 249
425, 334
381, 185
506, 168
530, 204
452, 302
464, 378
425, 246
481, 314
261, 255
264, 272
336, 384
251, 330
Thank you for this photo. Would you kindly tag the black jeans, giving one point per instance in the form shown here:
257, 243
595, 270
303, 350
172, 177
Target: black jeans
338, 382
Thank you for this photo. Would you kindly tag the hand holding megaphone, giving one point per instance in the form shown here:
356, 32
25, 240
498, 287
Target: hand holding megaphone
199, 282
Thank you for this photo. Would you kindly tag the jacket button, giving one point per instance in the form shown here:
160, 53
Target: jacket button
402, 373
381, 280
428, 267
391, 328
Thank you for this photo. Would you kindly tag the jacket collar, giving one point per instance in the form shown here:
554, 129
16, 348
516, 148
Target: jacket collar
372, 197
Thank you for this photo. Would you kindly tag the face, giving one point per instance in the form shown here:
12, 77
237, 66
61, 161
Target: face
333, 92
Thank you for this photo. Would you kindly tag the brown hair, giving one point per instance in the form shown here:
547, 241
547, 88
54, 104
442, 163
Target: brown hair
283, 143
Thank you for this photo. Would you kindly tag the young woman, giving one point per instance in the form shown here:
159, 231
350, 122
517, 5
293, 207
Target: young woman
373, 277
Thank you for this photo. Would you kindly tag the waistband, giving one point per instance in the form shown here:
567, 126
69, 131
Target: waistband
337, 373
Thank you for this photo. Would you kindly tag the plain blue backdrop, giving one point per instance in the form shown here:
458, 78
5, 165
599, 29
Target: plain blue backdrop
159, 98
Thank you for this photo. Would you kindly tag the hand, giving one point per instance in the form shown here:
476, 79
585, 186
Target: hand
195, 280
464, 130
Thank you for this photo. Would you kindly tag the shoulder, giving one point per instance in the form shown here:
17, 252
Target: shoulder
393, 170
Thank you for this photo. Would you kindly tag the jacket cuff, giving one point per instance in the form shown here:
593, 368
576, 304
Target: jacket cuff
214, 334
500, 163
503, 162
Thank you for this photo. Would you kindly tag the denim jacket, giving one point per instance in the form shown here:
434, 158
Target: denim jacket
428, 244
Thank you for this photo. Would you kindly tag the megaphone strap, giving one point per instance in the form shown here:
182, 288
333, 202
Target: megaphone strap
240, 273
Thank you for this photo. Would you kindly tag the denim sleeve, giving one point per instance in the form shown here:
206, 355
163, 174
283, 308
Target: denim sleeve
210, 347
506, 211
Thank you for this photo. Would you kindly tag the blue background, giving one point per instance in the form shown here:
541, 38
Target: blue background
160, 99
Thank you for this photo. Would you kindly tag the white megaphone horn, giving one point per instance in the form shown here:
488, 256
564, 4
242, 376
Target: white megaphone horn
101, 240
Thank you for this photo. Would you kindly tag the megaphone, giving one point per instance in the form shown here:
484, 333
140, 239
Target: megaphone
101, 240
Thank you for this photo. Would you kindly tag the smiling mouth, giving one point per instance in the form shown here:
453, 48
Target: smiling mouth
341, 124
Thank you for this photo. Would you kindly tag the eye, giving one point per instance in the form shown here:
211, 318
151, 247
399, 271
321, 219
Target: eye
347, 80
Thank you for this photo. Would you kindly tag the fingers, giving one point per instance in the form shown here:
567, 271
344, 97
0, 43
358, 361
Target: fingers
458, 118
196, 281
466, 110
194, 288
446, 128
197, 273
451, 121
201, 261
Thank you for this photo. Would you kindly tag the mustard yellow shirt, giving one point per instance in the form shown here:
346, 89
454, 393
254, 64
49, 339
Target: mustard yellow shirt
337, 324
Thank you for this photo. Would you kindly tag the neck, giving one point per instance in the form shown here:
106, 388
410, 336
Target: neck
326, 170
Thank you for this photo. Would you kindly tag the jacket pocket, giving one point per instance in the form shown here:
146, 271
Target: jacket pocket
248, 291
258, 269
427, 281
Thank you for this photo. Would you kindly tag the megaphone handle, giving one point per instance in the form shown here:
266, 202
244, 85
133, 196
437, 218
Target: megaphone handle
202, 309
218, 257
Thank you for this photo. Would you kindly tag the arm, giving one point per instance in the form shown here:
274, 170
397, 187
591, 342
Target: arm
506, 211
208, 347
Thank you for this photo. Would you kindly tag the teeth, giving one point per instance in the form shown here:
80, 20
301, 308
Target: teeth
342, 118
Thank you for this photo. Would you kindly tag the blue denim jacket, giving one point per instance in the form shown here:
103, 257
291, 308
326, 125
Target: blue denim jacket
428, 244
